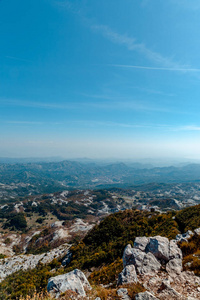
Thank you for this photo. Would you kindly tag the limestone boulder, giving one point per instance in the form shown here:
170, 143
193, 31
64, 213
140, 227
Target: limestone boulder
74, 281
128, 275
159, 247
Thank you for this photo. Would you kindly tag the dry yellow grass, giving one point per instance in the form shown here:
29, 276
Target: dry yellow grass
40, 296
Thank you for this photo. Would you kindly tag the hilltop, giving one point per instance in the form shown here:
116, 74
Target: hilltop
98, 254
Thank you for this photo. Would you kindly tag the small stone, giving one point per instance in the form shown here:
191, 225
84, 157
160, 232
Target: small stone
145, 296
165, 284
123, 293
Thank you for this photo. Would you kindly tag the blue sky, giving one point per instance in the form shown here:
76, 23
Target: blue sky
89, 78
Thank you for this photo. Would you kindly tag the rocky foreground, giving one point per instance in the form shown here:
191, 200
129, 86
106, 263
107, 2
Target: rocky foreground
154, 262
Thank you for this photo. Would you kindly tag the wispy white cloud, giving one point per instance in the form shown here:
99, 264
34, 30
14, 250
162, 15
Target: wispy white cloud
15, 122
183, 4
94, 123
34, 104
131, 44
158, 126
73, 6
18, 58
90, 123
152, 91
131, 105
24, 122
188, 128
187, 4
107, 124
157, 68
117, 103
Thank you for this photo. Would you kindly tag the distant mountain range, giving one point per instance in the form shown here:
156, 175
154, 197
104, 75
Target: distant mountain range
54, 176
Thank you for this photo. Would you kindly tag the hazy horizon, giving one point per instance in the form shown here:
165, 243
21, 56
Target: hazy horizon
146, 162
100, 79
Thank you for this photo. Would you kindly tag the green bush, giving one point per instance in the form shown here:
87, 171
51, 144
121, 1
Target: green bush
17, 221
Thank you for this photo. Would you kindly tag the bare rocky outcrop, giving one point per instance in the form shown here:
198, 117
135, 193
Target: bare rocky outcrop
73, 281
149, 255
24, 262
158, 265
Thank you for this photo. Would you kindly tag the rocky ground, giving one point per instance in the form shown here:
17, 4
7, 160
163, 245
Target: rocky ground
74, 213
15, 263
154, 262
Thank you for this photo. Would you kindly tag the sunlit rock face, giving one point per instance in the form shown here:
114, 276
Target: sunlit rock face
156, 263
73, 281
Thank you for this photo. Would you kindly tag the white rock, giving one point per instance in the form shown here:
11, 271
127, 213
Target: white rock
57, 224
141, 243
123, 293
67, 259
133, 256
174, 266
184, 237
150, 265
145, 296
159, 247
24, 262
74, 281
197, 231
60, 233
174, 250
128, 275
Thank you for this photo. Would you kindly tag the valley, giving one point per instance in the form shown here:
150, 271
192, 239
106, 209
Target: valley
51, 225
